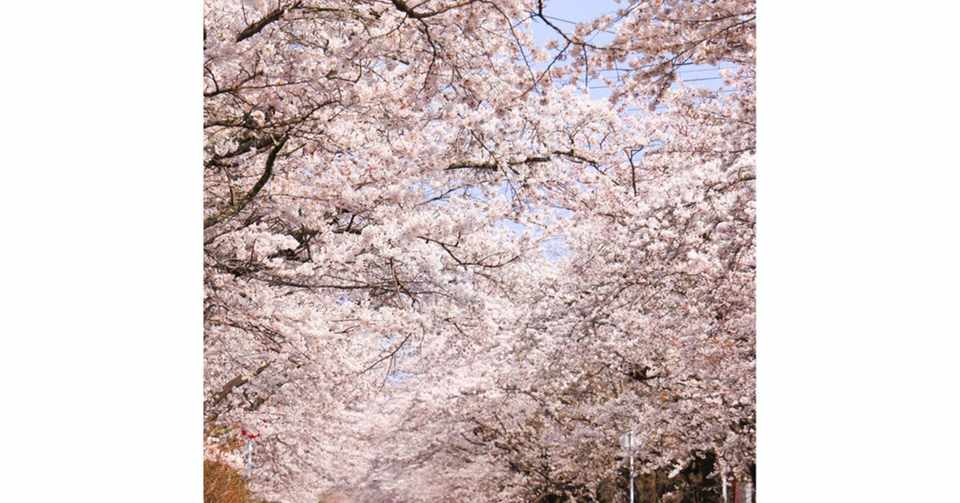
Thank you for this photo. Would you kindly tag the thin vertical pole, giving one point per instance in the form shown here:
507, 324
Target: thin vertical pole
631, 473
248, 458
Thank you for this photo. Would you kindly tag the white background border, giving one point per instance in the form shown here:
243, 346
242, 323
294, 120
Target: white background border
101, 289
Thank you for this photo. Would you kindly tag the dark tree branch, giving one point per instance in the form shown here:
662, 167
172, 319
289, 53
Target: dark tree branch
264, 178
406, 9
258, 26
228, 388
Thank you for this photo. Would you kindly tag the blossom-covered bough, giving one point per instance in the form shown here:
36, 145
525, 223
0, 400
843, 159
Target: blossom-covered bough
436, 269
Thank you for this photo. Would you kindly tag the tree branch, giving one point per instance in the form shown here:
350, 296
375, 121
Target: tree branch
264, 178
258, 26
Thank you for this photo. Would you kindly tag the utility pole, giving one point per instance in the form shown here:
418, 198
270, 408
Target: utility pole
630, 445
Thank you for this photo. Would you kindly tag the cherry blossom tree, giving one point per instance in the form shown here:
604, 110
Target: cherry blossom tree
437, 269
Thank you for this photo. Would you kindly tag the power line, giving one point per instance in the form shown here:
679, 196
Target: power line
554, 18
681, 72
683, 80
661, 108
700, 70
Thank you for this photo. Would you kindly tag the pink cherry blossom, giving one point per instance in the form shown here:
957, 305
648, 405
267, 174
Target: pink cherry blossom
437, 269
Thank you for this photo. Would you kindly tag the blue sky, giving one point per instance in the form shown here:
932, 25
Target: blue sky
566, 12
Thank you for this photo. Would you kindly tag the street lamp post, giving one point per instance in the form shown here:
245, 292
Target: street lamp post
630, 444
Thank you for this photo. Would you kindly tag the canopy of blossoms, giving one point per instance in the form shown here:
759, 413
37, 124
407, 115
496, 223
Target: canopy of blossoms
438, 269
